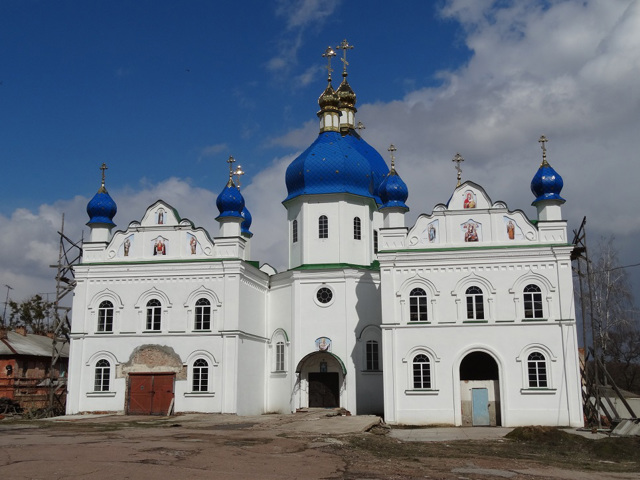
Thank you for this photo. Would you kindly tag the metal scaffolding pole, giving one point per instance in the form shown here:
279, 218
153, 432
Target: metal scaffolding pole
69, 254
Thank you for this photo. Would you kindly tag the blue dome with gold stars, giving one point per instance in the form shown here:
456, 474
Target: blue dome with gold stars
101, 208
393, 191
547, 184
246, 224
331, 164
230, 202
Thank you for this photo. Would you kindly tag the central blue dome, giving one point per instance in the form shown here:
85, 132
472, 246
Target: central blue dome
101, 208
336, 164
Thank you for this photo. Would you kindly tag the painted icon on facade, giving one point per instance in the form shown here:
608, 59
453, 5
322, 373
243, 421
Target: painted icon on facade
126, 245
514, 232
469, 199
471, 231
323, 344
160, 246
160, 219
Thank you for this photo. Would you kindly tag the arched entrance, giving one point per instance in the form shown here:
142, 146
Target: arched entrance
480, 390
321, 376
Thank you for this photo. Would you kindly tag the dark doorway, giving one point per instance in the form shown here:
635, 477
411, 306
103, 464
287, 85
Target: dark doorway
478, 366
324, 391
150, 394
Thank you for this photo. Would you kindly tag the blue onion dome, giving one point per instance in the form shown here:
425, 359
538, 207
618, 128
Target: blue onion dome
101, 208
379, 168
230, 202
331, 164
546, 184
393, 191
246, 224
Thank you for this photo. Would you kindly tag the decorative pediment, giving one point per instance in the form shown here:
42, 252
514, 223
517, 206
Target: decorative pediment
470, 219
160, 235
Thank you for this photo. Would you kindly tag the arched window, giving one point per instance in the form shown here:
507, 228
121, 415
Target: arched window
421, 371
375, 241
323, 227
532, 302
475, 303
203, 314
418, 305
103, 372
372, 355
294, 231
200, 381
154, 315
280, 357
357, 229
105, 316
537, 370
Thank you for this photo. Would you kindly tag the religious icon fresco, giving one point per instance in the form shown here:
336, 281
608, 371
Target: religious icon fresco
469, 199
160, 246
160, 216
432, 232
193, 244
126, 246
323, 344
514, 232
471, 231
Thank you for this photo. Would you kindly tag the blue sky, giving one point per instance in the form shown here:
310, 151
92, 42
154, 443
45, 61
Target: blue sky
164, 92
157, 88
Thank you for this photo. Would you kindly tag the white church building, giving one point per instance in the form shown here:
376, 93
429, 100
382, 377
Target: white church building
465, 318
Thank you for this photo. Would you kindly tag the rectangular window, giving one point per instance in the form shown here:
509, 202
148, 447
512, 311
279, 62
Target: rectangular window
294, 231
375, 242
372, 354
357, 229
280, 357
323, 227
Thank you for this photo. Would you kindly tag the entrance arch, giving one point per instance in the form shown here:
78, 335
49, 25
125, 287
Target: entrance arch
321, 378
480, 390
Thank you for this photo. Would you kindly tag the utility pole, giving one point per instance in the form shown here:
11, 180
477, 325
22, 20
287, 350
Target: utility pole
4, 315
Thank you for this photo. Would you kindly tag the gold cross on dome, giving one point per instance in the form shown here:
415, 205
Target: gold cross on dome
328, 53
230, 162
344, 46
103, 168
543, 140
392, 148
457, 160
238, 173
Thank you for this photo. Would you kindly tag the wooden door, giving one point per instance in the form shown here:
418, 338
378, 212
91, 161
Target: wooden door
150, 394
324, 391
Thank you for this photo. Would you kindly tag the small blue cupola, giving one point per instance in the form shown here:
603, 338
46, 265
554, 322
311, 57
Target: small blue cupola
393, 191
546, 185
230, 204
101, 208
246, 224
393, 194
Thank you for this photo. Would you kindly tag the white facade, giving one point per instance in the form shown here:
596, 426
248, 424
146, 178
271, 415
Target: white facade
465, 318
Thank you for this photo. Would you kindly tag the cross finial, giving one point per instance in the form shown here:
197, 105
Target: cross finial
103, 168
230, 162
238, 173
392, 149
543, 140
344, 46
328, 53
458, 160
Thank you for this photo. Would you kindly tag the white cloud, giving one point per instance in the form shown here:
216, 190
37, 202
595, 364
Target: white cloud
568, 71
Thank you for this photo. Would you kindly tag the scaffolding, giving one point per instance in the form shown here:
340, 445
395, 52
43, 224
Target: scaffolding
69, 254
596, 393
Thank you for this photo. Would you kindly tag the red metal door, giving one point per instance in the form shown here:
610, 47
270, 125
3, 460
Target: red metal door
150, 394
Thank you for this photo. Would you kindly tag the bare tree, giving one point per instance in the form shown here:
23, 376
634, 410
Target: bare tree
610, 304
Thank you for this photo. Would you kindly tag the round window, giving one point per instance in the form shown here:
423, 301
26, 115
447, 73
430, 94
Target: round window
324, 295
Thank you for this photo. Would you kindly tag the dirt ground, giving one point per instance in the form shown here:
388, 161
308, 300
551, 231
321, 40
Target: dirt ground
307, 445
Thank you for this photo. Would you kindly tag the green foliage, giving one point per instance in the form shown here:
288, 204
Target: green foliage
35, 314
